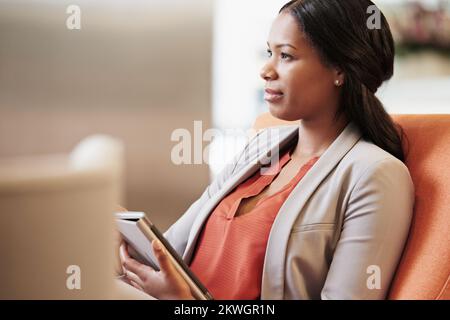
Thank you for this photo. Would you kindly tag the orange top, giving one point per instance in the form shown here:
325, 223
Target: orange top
230, 250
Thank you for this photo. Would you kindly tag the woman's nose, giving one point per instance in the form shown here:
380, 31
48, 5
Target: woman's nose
268, 73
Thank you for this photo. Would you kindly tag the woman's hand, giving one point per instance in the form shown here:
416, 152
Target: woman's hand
164, 284
118, 240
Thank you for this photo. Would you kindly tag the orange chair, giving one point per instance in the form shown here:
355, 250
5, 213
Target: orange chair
424, 270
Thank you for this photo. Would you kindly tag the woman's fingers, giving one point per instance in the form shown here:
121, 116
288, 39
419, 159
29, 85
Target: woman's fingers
123, 251
167, 284
133, 278
123, 255
163, 259
178, 285
139, 269
134, 284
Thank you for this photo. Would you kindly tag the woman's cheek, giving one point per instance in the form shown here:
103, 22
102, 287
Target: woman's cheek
299, 105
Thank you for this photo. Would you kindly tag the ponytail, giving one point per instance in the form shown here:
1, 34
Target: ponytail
375, 124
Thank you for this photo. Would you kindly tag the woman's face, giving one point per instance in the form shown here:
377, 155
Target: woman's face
298, 85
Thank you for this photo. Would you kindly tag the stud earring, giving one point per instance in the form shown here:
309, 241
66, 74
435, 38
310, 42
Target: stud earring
336, 82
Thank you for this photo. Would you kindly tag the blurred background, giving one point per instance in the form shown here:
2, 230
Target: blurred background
138, 70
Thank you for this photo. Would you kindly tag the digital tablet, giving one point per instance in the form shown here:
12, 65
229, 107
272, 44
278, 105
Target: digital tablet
139, 232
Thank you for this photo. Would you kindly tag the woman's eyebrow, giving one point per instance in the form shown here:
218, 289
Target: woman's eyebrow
283, 45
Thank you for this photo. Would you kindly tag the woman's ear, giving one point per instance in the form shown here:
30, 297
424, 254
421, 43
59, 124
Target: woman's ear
339, 76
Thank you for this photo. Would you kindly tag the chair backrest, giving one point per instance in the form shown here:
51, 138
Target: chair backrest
56, 223
424, 270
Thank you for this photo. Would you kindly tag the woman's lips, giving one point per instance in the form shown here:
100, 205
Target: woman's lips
271, 95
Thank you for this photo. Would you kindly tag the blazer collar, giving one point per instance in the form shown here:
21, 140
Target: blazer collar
275, 258
267, 142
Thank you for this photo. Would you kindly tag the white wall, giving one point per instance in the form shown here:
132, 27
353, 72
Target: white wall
136, 70
420, 83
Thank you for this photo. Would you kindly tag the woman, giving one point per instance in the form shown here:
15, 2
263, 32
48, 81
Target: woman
330, 217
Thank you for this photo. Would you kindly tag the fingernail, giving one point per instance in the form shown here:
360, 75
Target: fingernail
158, 245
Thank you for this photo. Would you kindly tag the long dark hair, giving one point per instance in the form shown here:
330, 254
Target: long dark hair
338, 31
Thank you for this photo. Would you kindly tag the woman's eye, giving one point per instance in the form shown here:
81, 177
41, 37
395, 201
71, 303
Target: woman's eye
285, 56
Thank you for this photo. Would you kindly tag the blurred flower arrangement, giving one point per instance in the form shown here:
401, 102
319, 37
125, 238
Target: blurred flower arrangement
418, 27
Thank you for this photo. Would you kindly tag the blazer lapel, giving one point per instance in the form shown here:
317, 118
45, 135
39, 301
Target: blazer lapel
267, 142
274, 262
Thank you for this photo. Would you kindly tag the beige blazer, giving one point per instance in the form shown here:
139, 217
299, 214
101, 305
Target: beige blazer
339, 234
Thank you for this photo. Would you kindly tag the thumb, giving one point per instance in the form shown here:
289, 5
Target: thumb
163, 258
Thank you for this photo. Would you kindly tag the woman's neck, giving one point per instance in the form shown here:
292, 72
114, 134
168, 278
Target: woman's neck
316, 135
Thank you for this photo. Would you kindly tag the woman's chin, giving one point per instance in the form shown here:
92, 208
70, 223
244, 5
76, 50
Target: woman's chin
279, 111
276, 110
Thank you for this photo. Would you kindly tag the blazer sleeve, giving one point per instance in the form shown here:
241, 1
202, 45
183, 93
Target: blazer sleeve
374, 231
